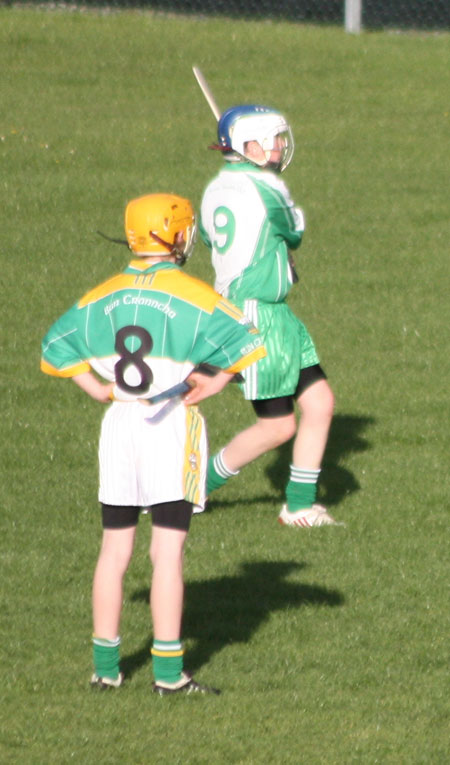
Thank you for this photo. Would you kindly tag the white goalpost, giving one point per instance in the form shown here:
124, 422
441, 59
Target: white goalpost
353, 13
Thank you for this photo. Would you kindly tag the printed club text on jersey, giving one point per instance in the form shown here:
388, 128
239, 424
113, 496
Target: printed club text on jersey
129, 299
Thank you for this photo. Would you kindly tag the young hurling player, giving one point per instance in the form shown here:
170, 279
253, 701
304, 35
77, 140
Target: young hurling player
144, 331
250, 223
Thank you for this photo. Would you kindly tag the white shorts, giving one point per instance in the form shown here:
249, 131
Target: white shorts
143, 463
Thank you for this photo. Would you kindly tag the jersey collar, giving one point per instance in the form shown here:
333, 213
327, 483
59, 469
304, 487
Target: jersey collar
143, 268
241, 167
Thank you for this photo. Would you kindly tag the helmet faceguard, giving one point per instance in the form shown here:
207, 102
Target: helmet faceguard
161, 225
241, 124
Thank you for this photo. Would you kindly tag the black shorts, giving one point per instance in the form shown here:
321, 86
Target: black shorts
279, 407
168, 515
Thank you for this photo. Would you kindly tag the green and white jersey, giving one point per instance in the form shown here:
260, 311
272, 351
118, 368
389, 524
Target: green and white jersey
146, 329
249, 222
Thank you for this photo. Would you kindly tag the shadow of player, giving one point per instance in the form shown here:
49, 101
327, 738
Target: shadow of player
230, 609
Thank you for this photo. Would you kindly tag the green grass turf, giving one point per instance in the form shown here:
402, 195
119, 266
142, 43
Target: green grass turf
330, 646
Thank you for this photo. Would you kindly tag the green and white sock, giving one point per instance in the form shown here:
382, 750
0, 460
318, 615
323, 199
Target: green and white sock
218, 473
106, 657
167, 660
301, 490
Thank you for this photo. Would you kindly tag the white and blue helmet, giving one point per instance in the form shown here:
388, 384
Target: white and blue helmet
252, 122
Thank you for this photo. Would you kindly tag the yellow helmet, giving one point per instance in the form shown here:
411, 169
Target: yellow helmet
160, 224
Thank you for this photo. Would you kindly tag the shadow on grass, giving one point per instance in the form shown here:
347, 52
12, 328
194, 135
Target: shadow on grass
347, 436
230, 609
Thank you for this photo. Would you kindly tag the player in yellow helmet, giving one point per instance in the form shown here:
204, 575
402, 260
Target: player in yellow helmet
154, 223
144, 332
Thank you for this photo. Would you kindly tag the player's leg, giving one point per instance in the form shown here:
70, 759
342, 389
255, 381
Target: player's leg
269, 385
115, 554
316, 403
166, 601
171, 522
119, 529
170, 525
265, 434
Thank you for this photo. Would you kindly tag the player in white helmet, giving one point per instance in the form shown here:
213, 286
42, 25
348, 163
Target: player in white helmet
145, 331
250, 224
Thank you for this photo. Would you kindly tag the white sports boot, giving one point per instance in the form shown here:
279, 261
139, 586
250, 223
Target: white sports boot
308, 518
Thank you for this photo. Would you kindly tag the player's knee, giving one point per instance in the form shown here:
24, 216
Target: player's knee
117, 548
167, 545
288, 430
278, 430
115, 558
317, 402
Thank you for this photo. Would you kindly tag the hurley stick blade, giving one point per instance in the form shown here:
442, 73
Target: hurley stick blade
173, 392
207, 92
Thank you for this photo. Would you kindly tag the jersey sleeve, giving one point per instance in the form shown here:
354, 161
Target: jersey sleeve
231, 342
64, 352
286, 219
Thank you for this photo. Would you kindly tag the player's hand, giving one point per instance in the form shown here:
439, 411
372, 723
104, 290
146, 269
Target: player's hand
107, 394
204, 386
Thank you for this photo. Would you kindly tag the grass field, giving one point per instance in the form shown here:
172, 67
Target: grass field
330, 646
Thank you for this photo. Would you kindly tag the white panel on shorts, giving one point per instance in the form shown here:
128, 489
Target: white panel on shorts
143, 464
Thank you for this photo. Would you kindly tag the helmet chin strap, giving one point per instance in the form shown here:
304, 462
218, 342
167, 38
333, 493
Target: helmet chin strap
275, 166
158, 239
175, 251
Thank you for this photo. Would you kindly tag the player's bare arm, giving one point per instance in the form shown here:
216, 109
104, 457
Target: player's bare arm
93, 387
